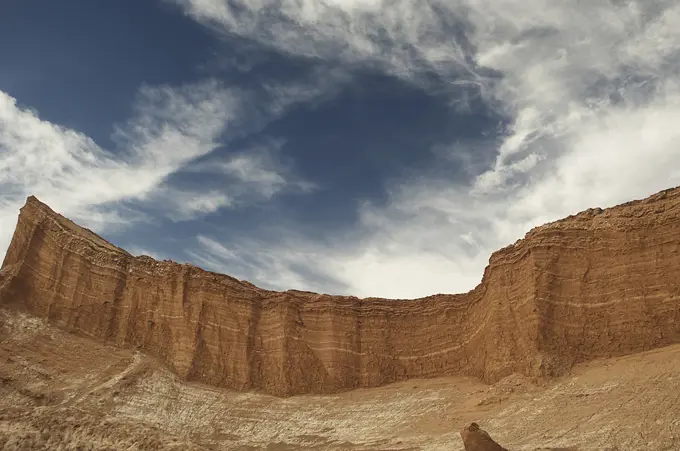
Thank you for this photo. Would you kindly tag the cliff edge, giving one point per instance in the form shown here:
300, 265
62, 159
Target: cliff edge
598, 284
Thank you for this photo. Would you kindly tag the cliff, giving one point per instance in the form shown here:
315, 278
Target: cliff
597, 284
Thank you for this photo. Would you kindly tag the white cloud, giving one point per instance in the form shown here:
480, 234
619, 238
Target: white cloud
171, 127
249, 170
70, 172
257, 172
402, 36
253, 261
590, 90
188, 204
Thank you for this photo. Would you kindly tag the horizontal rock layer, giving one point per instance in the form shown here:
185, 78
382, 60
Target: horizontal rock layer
597, 284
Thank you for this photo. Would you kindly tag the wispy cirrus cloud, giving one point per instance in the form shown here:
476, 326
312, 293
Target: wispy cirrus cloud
403, 37
259, 171
230, 181
302, 266
74, 175
589, 94
171, 127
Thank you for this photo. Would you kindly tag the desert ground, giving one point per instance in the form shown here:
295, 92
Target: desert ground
65, 392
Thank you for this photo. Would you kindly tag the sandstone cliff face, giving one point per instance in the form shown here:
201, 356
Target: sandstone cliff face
598, 284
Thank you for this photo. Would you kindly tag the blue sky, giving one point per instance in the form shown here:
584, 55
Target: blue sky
367, 147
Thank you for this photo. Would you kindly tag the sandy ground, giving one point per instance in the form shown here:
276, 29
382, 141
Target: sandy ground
63, 392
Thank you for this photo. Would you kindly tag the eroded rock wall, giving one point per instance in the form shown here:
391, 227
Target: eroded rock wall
601, 283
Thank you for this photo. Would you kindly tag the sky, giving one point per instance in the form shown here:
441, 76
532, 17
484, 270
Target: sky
364, 147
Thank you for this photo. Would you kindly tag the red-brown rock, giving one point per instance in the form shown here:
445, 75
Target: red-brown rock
597, 284
477, 439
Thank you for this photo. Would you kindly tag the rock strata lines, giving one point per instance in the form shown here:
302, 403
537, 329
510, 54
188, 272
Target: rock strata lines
598, 284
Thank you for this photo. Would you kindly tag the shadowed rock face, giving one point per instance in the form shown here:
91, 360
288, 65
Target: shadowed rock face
476, 439
597, 284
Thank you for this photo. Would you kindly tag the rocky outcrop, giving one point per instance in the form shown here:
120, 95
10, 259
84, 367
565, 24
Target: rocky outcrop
477, 439
598, 284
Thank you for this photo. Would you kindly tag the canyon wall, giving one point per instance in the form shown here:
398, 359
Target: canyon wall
597, 284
